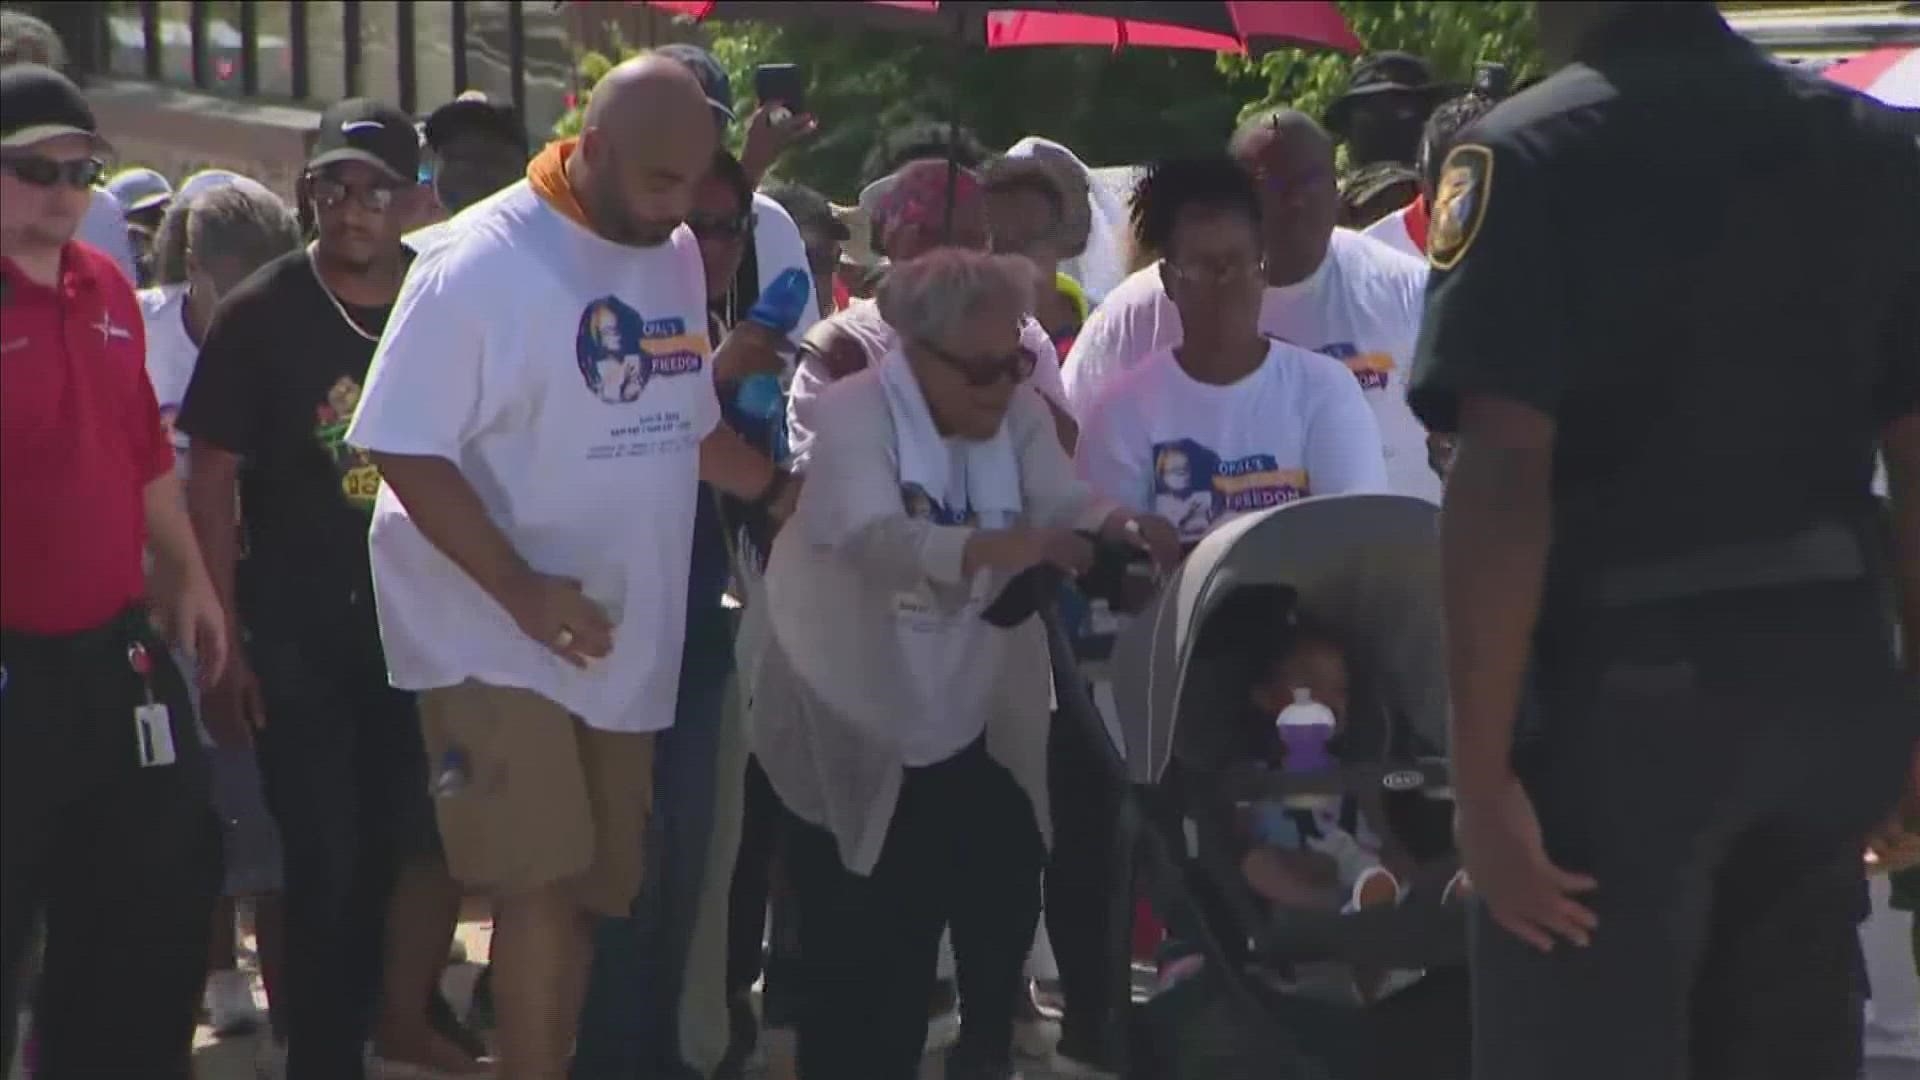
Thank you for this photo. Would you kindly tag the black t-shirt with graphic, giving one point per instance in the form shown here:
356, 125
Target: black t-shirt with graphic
277, 383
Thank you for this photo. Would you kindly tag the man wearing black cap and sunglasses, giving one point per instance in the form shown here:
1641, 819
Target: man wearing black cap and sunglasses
277, 383
105, 783
1387, 102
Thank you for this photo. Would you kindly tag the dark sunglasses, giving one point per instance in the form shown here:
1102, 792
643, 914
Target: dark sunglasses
721, 228
328, 193
46, 172
1016, 365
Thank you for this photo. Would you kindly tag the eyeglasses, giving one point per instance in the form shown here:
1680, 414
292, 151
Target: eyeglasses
1016, 365
328, 193
722, 228
46, 172
1213, 274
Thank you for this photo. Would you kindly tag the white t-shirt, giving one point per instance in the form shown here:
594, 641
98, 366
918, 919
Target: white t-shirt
1361, 307
861, 320
428, 237
567, 377
1160, 441
777, 248
171, 355
1392, 231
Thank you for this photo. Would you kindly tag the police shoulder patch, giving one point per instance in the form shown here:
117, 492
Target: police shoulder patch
1459, 204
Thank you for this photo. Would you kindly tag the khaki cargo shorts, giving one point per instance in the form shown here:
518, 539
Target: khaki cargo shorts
545, 798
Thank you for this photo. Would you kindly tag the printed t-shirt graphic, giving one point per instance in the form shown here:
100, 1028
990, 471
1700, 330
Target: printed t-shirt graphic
359, 476
620, 352
1193, 486
1199, 454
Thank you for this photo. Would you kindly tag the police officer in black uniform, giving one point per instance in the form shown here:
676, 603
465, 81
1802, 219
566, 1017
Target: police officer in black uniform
1675, 307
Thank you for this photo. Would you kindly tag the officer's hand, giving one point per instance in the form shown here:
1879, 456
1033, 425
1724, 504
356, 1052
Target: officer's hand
1506, 858
1895, 846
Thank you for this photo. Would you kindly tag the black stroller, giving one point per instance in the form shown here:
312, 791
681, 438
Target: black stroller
1368, 565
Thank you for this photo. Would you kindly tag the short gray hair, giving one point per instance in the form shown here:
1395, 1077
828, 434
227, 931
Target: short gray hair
27, 40
241, 222
930, 297
170, 245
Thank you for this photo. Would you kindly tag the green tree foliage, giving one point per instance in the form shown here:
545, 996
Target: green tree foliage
1112, 108
1452, 36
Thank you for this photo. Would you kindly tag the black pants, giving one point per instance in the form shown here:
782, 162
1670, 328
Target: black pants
346, 780
1714, 764
750, 952
123, 860
962, 851
1080, 885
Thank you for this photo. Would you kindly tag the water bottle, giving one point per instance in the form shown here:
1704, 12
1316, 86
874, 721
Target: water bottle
759, 396
1306, 726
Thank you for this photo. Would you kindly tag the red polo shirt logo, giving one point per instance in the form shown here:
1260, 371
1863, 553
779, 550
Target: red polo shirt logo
80, 439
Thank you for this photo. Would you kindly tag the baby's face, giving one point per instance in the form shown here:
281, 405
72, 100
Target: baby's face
1318, 669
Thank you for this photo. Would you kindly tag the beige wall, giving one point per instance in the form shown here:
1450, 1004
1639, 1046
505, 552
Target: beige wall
178, 132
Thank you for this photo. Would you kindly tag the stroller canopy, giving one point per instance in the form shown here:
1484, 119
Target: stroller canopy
1367, 564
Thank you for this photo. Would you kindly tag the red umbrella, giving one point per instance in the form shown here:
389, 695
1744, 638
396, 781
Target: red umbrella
1221, 26
1891, 74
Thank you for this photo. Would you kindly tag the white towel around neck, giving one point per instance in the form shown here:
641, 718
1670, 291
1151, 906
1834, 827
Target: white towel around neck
991, 466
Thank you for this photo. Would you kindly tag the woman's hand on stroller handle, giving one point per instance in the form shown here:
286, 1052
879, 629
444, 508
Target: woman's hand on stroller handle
1019, 548
1148, 533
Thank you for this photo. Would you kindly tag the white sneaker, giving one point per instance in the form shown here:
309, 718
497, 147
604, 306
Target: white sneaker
231, 1010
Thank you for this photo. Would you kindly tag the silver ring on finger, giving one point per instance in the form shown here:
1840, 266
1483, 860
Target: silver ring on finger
563, 639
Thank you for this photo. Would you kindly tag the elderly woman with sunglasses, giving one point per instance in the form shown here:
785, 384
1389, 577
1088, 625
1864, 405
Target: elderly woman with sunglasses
912, 744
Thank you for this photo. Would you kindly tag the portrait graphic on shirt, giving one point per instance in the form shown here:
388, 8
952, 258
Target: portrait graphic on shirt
359, 477
1373, 369
923, 506
620, 352
1196, 489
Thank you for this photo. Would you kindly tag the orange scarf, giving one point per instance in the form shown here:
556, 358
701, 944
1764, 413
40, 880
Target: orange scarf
547, 175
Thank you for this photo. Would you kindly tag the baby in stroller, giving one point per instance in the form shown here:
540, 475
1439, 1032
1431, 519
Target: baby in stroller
1312, 852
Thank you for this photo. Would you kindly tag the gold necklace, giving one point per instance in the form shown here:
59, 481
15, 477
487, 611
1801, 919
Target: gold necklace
314, 265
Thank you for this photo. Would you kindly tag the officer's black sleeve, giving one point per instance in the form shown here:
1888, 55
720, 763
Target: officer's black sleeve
1495, 311
1899, 394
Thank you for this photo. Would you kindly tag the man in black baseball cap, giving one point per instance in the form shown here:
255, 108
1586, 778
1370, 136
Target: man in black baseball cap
277, 381
366, 131
477, 147
42, 104
50, 149
1387, 102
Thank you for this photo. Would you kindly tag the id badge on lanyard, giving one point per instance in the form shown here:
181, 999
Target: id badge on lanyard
152, 724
